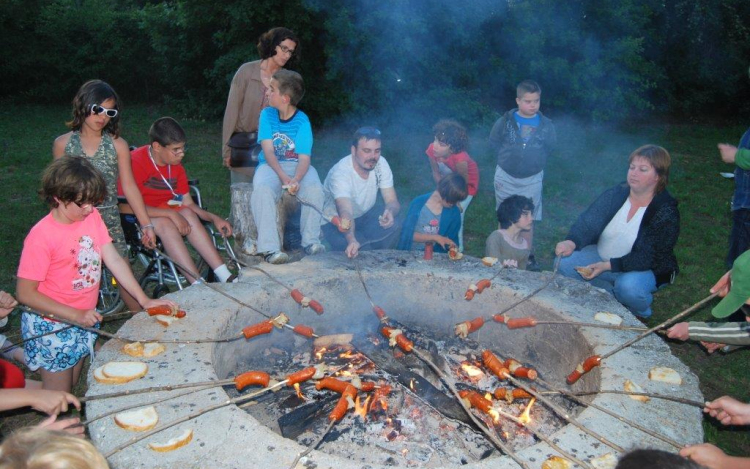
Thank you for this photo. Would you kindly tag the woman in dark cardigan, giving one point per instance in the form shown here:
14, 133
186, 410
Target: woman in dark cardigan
624, 242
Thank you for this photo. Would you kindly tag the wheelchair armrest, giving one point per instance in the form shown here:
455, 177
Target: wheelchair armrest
193, 182
121, 199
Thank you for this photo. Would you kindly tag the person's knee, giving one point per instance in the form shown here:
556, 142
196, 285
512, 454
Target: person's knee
634, 291
567, 267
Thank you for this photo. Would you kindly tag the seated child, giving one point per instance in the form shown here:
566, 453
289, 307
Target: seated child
508, 244
162, 180
447, 155
735, 287
285, 135
60, 269
38, 448
434, 218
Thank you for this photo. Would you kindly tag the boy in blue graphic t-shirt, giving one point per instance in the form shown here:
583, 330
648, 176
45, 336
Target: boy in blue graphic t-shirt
286, 137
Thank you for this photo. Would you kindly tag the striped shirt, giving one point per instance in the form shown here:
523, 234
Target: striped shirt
730, 333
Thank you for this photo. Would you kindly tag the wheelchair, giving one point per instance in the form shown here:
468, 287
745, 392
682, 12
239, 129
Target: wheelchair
158, 275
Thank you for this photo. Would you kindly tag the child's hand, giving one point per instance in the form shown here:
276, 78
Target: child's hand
182, 225
679, 331
70, 426
711, 347
729, 411
159, 302
723, 285
89, 318
446, 243
706, 455
728, 152
565, 248
223, 226
7, 303
51, 402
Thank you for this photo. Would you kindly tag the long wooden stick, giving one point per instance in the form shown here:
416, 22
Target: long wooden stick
577, 399
594, 325
168, 387
563, 413
555, 267
544, 438
680, 400
314, 445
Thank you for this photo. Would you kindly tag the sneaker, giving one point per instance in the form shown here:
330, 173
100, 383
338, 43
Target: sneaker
316, 248
277, 257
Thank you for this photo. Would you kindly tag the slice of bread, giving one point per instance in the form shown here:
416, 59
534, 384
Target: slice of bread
665, 375
122, 372
165, 321
176, 442
99, 376
630, 386
556, 462
137, 349
138, 420
489, 261
608, 318
584, 271
605, 461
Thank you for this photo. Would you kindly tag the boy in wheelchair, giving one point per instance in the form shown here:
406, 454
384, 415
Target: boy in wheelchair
162, 180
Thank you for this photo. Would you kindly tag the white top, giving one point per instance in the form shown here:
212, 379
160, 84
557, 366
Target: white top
343, 182
619, 235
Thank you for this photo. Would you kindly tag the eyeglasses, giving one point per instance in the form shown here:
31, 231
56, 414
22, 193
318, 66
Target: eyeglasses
82, 205
285, 49
177, 151
96, 109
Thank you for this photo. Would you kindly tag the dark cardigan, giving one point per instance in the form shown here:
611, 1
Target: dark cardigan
653, 248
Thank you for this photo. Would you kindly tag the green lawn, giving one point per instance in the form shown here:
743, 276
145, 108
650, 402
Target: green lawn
590, 159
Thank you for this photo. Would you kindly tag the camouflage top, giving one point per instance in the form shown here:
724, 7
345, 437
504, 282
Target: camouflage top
105, 160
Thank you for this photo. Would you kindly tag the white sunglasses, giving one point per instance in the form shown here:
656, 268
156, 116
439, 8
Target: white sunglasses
96, 109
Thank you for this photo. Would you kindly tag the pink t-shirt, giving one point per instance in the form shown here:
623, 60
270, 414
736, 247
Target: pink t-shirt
473, 169
66, 259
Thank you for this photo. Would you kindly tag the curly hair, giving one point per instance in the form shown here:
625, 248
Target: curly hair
451, 133
72, 179
94, 92
273, 37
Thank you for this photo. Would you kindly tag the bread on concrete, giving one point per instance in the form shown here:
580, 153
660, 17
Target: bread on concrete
123, 372
176, 442
489, 261
630, 386
148, 350
138, 420
605, 461
608, 318
556, 462
665, 375
99, 376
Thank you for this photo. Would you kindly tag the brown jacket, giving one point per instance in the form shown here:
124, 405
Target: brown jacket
245, 101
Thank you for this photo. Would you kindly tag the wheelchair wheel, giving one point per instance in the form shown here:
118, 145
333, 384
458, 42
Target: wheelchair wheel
109, 294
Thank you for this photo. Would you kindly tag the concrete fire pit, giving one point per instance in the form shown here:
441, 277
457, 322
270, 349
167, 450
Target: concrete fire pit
412, 291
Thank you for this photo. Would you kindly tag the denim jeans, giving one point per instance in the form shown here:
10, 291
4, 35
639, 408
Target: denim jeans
633, 289
739, 239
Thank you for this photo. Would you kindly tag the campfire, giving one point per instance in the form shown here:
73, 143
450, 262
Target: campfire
409, 416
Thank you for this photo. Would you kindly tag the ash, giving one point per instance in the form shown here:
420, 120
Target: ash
404, 429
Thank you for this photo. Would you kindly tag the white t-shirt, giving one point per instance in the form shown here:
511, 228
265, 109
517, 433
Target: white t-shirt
343, 182
619, 235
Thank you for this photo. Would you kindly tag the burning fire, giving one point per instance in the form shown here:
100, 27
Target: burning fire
319, 353
411, 384
360, 408
347, 354
299, 392
472, 372
526, 415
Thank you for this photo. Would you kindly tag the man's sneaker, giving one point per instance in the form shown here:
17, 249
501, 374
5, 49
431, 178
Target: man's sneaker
277, 257
316, 248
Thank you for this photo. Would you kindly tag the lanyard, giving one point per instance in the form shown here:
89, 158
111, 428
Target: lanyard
169, 170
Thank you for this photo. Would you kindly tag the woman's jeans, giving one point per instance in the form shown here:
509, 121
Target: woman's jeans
633, 289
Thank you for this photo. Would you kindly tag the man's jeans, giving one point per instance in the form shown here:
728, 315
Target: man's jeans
633, 289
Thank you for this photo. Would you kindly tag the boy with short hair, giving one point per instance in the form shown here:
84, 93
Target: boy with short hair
508, 244
523, 139
286, 137
163, 182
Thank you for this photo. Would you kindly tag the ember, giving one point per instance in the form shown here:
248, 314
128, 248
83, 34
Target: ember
472, 372
299, 392
525, 417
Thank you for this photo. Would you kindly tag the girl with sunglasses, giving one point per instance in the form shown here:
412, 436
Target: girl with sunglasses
95, 135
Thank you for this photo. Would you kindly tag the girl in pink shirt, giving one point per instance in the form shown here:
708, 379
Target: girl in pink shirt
447, 154
60, 269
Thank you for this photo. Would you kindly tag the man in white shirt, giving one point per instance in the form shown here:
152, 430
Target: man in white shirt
351, 190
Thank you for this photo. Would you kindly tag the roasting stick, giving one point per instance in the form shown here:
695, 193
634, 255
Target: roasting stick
577, 399
544, 438
596, 360
307, 373
680, 400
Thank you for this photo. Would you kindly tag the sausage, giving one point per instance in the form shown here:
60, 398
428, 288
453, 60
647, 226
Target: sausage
518, 323
297, 296
332, 384
482, 284
467, 327
306, 331
494, 364
264, 327
401, 340
476, 400
475, 324
508, 394
343, 224
343, 404
317, 307
180, 314
519, 370
469, 295
367, 386
583, 368
251, 377
501, 318
381, 393
165, 310
300, 376
379, 312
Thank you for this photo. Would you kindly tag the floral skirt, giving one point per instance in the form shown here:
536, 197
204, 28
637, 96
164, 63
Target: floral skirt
54, 352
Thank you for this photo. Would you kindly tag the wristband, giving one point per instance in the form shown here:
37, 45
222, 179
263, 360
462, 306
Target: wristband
150, 225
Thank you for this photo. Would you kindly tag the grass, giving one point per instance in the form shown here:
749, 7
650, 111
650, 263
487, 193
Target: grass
589, 160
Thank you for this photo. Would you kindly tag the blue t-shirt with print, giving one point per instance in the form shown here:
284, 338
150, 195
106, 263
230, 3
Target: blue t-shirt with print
291, 137
527, 125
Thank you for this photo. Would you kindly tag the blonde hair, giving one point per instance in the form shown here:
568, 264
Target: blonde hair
33, 448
